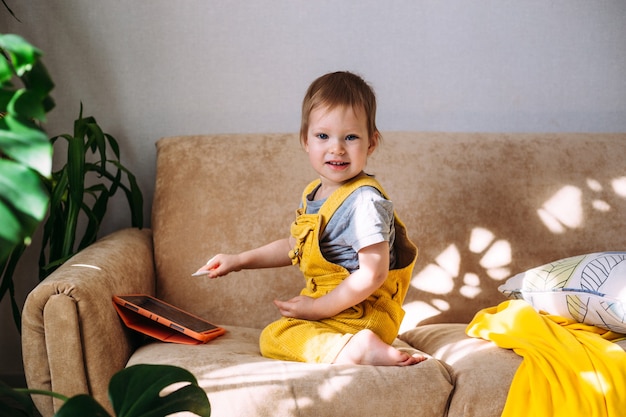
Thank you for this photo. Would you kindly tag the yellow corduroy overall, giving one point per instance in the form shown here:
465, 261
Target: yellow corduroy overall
321, 341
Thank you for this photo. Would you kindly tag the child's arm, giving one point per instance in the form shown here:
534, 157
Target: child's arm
272, 255
372, 272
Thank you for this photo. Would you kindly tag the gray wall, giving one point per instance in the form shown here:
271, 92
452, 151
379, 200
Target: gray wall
153, 68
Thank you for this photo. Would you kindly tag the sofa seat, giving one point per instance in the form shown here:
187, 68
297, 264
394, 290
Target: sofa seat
482, 372
240, 382
479, 369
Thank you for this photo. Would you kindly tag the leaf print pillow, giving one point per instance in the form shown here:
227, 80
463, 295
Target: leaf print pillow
590, 289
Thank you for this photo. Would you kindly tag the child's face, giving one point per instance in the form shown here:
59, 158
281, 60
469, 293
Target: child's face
338, 145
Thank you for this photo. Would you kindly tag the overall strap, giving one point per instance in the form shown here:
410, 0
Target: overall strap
339, 196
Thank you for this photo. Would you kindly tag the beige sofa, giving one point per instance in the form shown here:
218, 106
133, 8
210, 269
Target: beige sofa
480, 207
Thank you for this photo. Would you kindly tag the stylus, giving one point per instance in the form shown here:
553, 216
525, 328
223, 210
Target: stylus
206, 272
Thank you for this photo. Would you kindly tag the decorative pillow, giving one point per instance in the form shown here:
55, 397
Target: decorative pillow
590, 289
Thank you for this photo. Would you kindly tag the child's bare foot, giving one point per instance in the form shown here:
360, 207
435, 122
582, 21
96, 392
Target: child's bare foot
366, 348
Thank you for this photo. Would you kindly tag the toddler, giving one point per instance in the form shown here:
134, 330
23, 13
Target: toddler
350, 246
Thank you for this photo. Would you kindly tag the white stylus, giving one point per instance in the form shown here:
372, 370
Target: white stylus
200, 273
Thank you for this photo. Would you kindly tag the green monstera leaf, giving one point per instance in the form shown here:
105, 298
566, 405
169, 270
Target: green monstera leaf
25, 153
137, 391
82, 405
30, 191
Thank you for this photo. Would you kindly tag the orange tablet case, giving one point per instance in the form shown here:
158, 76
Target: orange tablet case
138, 316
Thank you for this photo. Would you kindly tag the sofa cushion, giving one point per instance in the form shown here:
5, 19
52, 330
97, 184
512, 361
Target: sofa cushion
589, 288
481, 371
240, 382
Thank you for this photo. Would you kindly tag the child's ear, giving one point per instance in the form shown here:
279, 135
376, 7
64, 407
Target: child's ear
373, 143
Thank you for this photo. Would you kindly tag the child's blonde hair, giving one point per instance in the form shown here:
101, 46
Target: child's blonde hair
340, 88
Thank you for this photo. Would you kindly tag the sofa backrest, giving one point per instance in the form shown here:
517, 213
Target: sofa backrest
480, 207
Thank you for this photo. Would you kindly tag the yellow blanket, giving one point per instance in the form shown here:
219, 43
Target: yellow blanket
569, 369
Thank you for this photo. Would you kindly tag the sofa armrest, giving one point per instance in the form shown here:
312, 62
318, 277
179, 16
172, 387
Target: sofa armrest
72, 339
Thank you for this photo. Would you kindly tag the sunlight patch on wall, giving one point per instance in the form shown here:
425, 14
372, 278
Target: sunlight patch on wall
563, 210
496, 259
433, 279
597, 204
594, 185
439, 278
480, 239
619, 186
497, 253
601, 205
416, 311
471, 287
440, 304
450, 260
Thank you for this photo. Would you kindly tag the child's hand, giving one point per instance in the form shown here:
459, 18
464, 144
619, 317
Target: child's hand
219, 265
300, 307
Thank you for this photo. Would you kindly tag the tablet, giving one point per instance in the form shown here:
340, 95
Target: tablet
159, 319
